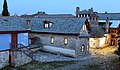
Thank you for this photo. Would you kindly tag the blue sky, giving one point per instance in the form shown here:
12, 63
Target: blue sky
59, 6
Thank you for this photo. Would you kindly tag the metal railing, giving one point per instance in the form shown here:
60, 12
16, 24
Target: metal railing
23, 49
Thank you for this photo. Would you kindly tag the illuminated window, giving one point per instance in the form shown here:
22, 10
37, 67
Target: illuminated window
83, 48
84, 27
46, 25
52, 40
65, 41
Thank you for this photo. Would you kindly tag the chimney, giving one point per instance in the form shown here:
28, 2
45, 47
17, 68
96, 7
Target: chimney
107, 24
91, 12
77, 11
28, 24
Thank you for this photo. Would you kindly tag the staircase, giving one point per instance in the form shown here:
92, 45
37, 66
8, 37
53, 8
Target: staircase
26, 50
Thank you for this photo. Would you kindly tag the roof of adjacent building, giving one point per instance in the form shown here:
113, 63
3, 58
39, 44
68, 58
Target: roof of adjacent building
84, 12
111, 16
62, 25
43, 14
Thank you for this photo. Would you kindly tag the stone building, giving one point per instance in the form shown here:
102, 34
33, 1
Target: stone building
69, 34
100, 36
66, 32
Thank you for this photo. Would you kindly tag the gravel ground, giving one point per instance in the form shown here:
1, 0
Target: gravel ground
99, 59
102, 59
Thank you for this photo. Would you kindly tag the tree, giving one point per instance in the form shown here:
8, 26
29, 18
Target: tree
5, 9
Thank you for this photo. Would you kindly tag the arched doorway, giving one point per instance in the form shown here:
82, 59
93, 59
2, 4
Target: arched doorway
35, 41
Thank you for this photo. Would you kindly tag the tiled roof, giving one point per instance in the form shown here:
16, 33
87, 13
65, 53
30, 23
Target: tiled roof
60, 25
111, 16
11, 24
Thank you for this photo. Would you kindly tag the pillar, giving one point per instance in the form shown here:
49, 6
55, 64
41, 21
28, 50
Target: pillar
14, 42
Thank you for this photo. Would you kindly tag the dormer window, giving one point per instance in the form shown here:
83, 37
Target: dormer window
47, 24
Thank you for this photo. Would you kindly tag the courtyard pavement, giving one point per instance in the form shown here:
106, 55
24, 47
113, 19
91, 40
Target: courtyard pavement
99, 59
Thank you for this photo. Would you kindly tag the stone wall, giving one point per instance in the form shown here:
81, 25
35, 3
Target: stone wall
21, 59
58, 40
4, 59
74, 42
79, 43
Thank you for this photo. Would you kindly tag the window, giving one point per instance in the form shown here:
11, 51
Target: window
84, 27
82, 15
46, 25
93, 18
65, 41
52, 40
83, 48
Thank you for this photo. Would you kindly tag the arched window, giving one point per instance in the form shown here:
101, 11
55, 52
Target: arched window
65, 41
52, 40
93, 18
83, 48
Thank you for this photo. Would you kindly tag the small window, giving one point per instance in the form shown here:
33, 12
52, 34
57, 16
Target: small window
52, 40
82, 15
65, 41
46, 25
83, 48
84, 27
93, 18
